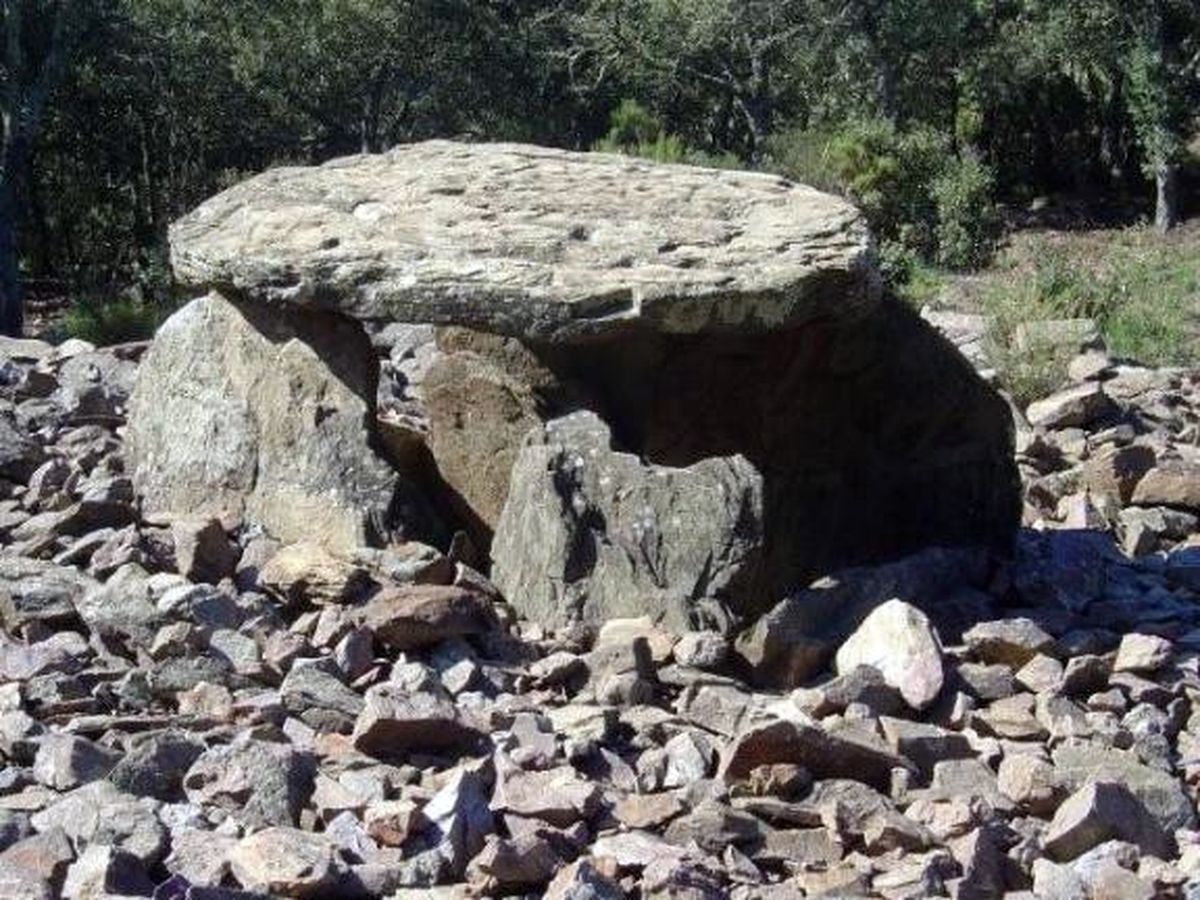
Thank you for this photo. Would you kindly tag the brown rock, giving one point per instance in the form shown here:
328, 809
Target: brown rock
394, 723
845, 753
284, 862
307, 572
203, 552
409, 617
1115, 472
1172, 483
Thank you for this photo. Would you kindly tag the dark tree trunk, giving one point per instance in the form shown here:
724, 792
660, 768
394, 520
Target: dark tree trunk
1166, 206
12, 313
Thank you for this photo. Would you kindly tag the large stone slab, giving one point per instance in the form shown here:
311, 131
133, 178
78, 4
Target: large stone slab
248, 411
591, 533
533, 242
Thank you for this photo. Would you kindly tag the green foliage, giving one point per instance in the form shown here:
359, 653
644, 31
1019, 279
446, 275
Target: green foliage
805, 155
967, 221
925, 203
634, 131
928, 114
113, 321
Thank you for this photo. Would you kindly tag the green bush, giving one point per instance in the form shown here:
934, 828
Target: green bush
804, 155
114, 321
634, 131
924, 202
967, 221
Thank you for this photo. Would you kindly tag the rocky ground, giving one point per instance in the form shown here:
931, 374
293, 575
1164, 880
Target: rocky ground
190, 710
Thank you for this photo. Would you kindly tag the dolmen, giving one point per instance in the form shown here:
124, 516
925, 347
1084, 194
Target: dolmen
658, 389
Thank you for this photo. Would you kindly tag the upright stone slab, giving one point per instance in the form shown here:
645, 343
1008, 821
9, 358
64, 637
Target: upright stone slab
246, 410
703, 315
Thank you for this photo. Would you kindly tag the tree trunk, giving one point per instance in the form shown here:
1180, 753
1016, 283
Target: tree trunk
12, 313
1166, 207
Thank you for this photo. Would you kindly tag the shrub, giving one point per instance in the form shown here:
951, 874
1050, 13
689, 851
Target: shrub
1141, 293
967, 221
922, 200
634, 131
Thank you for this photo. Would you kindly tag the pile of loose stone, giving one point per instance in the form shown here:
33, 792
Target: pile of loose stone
189, 709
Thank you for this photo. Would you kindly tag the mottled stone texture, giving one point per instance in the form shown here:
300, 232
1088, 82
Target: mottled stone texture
533, 242
242, 410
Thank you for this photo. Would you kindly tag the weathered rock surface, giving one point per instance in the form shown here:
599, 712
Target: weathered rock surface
245, 411
592, 533
532, 242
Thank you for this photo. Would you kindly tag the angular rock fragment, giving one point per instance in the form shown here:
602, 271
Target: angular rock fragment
898, 640
284, 862
394, 723
592, 533
410, 617
1102, 811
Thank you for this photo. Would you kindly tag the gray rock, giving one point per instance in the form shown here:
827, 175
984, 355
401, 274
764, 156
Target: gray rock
66, 761
1160, 792
259, 783
589, 533
35, 590
898, 640
459, 817
576, 243
313, 690
394, 723
155, 765
247, 411
101, 872
20, 455
1102, 811
285, 862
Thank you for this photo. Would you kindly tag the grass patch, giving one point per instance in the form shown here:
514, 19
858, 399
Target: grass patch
1142, 290
112, 321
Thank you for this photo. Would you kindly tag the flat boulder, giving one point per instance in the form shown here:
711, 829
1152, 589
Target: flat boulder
532, 242
248, 411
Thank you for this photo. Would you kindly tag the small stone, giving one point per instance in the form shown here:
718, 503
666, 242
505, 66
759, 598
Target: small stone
843, 753
101, 872
1032, 783
203, 552
413, 616
391, 822
898, 640
1042, 673
1075, 407
557, 796
1102, 811
66, 761
1173, 483
1011, 642
309, 573
284, 862
707, 650
1142, 653
394, 723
